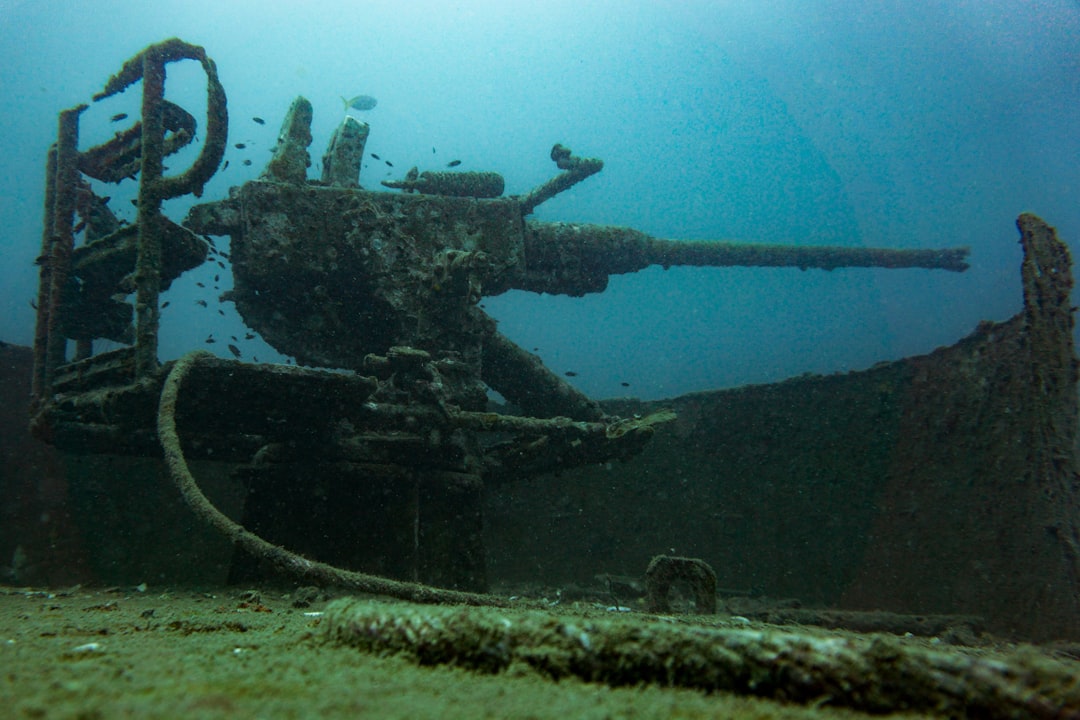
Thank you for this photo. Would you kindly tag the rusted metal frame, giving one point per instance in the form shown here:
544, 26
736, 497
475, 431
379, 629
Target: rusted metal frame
149, 66
56, 255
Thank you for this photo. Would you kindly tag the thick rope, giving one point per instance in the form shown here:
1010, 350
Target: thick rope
299, 568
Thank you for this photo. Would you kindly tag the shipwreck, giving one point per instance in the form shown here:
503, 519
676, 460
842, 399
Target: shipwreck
377, 293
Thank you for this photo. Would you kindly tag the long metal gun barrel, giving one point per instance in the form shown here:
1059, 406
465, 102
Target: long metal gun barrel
575, 259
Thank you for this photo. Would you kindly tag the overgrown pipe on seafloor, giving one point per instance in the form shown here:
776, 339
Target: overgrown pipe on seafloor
299, 568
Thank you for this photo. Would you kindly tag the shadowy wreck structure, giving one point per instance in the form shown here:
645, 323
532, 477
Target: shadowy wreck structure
943, 483
981, 508
384, 285
377, 461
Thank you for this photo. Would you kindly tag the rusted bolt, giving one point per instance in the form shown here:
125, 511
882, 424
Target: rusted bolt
664, 570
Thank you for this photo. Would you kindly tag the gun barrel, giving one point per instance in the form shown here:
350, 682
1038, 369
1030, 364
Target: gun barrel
572, 259
825, 257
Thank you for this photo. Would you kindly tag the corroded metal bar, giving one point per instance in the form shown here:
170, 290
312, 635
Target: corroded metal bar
709, 253
62, 240
148, 260
451, 184
524, 380
575, 170
41, 331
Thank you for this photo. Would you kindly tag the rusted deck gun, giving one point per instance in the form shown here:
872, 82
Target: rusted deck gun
329, 272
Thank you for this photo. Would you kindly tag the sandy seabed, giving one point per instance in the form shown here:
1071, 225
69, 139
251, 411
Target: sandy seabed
151, 653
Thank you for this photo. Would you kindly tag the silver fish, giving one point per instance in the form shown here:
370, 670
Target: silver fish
360, 102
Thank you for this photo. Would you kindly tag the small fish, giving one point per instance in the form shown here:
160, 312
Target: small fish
118, 117
33, 304
200, 284
625, 384
360, 102
210, 340
258, 120
254, 359
221, 313
234, 338
210, 240
225, 166
234, 350
216, 278
165, 304
247, 162
389, 163
433, 150
201, 302
376, 156
453, 163
239, 146
570, 373
249, 336
135, 202
79, 228
221, 264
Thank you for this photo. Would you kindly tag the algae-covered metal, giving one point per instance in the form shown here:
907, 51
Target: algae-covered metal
386, 285
329, 272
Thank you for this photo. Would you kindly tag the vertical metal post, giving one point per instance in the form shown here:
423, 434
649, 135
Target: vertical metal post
148, 259
62, 241
41, 331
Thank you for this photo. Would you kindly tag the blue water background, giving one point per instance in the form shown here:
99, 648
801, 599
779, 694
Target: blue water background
880, 123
